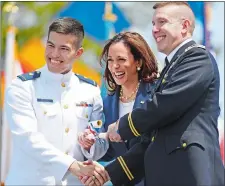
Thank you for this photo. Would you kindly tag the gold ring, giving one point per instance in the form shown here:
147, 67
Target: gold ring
93, 178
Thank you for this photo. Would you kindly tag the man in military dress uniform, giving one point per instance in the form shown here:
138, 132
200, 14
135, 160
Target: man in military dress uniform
182, 114
47, 108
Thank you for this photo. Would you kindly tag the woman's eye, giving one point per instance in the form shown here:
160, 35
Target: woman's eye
121, 59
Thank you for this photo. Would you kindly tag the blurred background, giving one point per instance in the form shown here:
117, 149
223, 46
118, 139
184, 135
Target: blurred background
24, 26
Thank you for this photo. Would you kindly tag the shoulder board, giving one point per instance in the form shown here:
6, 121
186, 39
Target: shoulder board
87, 80
194, 46
30, 76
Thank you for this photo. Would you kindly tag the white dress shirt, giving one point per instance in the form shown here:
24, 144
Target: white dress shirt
170, 56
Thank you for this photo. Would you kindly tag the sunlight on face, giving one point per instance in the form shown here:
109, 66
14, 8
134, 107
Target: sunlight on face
60, 52
167, 29
121, 64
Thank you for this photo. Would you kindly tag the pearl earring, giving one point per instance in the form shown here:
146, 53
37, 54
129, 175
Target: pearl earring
138, 68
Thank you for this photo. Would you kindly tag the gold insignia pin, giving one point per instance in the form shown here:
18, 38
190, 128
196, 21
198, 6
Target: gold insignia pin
63, 84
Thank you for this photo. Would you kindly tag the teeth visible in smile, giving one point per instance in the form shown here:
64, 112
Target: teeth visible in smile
55, 61
119, 73
158, 39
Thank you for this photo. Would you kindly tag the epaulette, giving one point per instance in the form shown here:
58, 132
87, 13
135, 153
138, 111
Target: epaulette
87, 80
193, 46
29, 76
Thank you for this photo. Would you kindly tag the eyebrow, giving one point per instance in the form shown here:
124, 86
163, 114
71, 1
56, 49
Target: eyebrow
109, 57
60, 45
121, 57
50, 42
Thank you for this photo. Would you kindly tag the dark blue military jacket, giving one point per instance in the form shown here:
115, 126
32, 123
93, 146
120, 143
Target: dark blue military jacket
183, 114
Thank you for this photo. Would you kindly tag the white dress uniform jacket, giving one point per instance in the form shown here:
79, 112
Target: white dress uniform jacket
45, 112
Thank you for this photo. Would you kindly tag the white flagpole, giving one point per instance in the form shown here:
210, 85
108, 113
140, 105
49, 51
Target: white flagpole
9, 63
6, 144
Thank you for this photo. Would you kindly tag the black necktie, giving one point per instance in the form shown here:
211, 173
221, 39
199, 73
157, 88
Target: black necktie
166, 61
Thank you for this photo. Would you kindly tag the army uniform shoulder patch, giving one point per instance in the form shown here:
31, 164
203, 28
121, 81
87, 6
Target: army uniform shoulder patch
29, 76
87, 80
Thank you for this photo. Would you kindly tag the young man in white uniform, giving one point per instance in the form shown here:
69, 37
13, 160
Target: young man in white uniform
46, 109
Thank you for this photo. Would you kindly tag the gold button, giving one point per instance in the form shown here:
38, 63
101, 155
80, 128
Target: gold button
66, 153
65, 107
63, 84
153, 138
45, 112
67, 130
86, 116
184, 145
99, 122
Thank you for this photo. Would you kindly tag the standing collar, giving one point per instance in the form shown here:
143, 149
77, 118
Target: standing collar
50, 76
170, 56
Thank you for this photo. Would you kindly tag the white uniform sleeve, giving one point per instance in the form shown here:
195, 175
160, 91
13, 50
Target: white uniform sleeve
23, 125
100, 147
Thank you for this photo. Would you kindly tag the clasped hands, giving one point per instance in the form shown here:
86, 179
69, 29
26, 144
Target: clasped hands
89, 172
86, 139
94, 173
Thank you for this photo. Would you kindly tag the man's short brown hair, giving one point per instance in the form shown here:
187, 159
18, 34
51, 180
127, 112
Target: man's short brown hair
177, 3
165, 3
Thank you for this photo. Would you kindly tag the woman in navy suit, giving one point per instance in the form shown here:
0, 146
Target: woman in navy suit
131, 70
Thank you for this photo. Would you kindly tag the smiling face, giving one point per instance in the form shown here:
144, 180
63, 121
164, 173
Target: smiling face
122, 65
61, 52
167, 29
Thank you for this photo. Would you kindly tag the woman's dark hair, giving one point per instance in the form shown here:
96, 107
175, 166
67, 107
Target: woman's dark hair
140, 51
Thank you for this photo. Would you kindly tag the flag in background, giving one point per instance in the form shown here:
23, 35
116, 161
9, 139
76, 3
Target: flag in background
12, 69
101, 20
91, 15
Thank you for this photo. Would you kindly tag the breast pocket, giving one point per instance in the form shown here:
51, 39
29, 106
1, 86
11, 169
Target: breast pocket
49, 111
83, 111
83, 115
48, 116
189, 139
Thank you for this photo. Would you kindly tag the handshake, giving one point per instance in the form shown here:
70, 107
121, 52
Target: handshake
89, 172
87, 138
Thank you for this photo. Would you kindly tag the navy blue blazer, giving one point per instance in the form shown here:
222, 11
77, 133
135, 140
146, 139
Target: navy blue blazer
111, 113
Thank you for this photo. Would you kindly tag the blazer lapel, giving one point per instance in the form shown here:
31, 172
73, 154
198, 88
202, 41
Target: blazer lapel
179, 52
121, 147
142, 94
176, 55
182, 49
115, 106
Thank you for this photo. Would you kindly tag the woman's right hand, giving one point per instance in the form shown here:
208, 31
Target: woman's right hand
86, 139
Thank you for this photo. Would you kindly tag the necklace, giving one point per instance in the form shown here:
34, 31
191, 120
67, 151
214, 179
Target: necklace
131, 95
